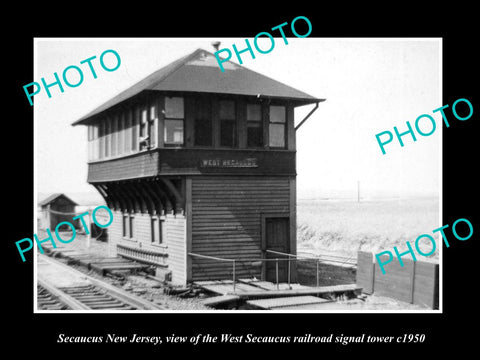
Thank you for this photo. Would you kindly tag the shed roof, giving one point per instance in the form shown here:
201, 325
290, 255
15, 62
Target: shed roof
199, 72
49, 199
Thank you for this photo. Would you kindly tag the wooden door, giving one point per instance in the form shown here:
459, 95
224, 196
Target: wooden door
277, 239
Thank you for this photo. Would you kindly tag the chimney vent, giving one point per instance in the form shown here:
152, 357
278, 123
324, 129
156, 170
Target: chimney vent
216, 45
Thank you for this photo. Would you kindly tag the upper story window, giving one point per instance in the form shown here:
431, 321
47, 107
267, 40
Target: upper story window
140, 124
202, 127
254, 126
228, 123
93, 142
153, 124
135, 123
114, 135
144, 138
174, 121
277, 126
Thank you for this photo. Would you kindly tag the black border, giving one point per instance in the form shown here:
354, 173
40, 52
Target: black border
39, 331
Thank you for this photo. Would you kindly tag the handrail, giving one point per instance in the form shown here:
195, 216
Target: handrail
289, 258
237, 260
219, 259
293, 255
210, 257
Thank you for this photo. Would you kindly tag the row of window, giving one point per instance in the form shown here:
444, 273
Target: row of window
156, 228
138, 129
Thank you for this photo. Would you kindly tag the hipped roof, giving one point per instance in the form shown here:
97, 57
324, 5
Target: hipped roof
199, 72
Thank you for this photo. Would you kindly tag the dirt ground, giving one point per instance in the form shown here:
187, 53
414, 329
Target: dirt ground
191, 300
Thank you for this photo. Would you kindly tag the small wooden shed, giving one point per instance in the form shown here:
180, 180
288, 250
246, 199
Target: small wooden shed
56, 208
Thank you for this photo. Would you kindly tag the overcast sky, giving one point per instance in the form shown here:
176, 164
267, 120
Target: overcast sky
370, 85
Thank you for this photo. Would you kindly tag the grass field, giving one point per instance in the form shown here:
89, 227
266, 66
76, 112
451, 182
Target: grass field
344, 227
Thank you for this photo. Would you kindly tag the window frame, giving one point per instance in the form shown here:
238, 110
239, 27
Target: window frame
159, 223
234, 121
259, 122
166, 119
207, 102
152, 123
143, 128
284, 124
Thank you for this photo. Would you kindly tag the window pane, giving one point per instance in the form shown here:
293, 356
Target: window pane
134, 129
228, 133
128, 132
254, 134
125, 225
277, 135
227, 110
277, 114
131, 224
152, 125
173, 131
153, 112
143, 122
113, 139
174, 107
254, 112
153, 132
156, 231
107, 137
121, 134
203, 123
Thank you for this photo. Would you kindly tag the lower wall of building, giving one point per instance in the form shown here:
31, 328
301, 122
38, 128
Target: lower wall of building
227, 215
175, 234
173, 244
227, 220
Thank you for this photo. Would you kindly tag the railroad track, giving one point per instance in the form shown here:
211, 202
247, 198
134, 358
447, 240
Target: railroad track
47, 301
60, 287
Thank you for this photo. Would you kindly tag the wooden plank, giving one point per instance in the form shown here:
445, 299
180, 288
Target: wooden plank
365, 271
426, 285
270, 290
220, 300
266, 285
396, 282
225, 286
323, 290
277, 303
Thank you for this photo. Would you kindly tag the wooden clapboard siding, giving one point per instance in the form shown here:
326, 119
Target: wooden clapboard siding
175, 232
115, 233
187, 161
227, 220
140, 165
